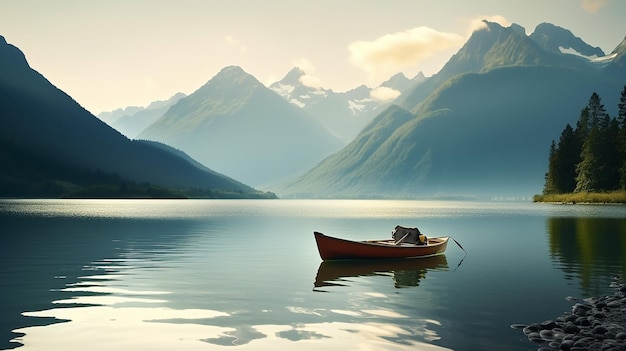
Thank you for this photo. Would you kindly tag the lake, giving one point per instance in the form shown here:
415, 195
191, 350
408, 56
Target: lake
246, 274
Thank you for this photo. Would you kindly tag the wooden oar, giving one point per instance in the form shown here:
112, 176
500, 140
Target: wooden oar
458, 265
459, 245
402, 239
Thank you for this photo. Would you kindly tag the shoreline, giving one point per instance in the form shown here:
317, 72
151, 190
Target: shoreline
611, 197
595, 323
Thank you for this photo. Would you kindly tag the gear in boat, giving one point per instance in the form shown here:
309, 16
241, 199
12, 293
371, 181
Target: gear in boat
407, 235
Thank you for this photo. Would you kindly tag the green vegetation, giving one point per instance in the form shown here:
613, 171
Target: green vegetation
126, 190
228, 194
589, 162
123, 190
32, 174
612, 197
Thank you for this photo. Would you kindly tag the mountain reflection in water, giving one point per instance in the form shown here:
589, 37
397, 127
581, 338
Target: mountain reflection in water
405, 272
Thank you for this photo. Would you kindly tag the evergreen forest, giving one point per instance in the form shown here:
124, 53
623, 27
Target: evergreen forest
590, 158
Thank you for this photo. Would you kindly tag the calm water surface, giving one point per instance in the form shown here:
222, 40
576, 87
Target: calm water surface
246, 275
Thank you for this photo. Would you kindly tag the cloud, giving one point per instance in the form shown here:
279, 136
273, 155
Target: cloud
311, 81
384, 94
230, 40
592, 6
478, 22
304, 64
400, 50
308, 79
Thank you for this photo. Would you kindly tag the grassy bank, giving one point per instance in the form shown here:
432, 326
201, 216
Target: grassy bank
614, 197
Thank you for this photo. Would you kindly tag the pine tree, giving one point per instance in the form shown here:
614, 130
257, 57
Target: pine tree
590, 177
589, 168
562, 163
610, 155
597, 112
621, 120
621, 108
583, 126
569, 150
551, 186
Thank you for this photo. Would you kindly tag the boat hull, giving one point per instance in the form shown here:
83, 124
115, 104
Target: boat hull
331, 248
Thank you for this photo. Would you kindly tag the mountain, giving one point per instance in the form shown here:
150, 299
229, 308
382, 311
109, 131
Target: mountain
133, 123
615, 63
560, 40
492, 46
401, 83
51, 146
343, 114
479, 128
109, 117
241, 128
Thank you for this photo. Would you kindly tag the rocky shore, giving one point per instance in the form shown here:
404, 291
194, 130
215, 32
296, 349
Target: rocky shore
597, 323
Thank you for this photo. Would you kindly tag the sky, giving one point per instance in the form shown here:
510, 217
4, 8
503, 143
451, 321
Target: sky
118, 53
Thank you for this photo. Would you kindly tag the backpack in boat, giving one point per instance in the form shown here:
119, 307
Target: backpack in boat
408, 236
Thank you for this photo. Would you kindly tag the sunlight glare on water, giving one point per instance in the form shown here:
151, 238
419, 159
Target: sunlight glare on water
246, 274
231, 208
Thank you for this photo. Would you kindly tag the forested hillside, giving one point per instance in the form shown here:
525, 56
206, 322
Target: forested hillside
50, 146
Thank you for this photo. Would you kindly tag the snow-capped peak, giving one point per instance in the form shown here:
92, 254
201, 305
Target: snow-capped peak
593, 58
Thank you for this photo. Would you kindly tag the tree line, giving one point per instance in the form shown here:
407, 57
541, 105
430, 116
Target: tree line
592, 156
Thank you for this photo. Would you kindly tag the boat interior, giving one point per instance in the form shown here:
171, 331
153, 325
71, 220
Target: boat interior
392, 242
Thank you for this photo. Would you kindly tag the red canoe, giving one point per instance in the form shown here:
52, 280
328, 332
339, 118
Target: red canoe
331, 248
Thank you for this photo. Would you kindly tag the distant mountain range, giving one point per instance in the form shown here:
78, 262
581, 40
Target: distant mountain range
480, 127
133, 120
343, 114
298, 131
50, 146
241, 128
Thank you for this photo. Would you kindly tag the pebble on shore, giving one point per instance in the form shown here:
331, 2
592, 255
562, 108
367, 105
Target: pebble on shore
597, 323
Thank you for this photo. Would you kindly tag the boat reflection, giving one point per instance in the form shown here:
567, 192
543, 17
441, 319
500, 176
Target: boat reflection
405, 272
